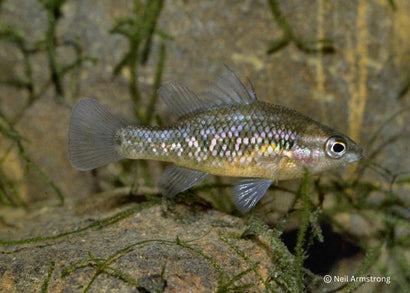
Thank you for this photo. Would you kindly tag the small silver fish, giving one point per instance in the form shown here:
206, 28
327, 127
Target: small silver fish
227, 132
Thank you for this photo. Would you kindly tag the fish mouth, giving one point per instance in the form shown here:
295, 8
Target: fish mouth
355, 156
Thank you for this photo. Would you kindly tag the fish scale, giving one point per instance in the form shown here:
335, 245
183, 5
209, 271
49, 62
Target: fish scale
227, 132
224, 141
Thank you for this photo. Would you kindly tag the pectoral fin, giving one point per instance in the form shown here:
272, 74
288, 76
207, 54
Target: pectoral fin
247, 192
177, 179
272, 163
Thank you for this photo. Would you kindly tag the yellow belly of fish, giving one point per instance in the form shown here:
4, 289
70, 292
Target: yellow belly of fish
289, 170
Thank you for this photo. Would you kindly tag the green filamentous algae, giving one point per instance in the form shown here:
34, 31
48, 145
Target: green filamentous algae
227, 132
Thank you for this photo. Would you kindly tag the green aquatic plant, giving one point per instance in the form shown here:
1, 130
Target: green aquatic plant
53, 9
405, 87
305, 212
47, 45
44, 287
289, 36
8, 194
370, 258
95, 225
226, 283
283, 275
16, 37
352, 198
157, 83
139, 30
392, 4
252, 268
101, 266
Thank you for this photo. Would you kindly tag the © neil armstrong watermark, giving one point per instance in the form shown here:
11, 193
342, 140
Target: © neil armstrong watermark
346, 279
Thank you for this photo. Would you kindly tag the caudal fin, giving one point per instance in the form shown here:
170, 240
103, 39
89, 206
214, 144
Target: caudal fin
92, 135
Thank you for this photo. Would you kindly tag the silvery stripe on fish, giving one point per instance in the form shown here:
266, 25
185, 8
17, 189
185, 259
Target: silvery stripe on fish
227, 132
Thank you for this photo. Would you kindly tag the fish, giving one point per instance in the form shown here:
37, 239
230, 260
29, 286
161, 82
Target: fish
226, 132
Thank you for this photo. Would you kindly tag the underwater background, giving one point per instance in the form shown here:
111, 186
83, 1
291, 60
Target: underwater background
344, 63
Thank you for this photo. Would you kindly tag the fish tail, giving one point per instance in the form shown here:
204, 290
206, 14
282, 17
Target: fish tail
92, 141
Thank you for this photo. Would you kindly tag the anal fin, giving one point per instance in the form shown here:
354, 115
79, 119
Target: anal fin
247, 192
177, 179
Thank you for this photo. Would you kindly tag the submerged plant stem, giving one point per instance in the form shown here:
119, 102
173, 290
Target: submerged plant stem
290, 37
157, 84
53, 14
101, 223
303, 226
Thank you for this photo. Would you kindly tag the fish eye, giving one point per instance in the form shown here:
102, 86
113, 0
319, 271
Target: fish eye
335, 147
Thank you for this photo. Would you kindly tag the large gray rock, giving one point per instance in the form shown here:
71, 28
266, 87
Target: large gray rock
153, 249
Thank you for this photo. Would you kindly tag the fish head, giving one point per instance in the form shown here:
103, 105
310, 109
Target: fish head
323, 148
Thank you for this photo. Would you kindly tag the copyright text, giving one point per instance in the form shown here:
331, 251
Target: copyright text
346, 279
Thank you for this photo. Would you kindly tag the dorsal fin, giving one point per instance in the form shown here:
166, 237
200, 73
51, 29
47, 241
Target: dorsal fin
180, 99
229, 90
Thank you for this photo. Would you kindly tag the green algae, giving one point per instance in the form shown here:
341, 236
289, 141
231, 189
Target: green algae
139, 30
290, 37
95, 225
